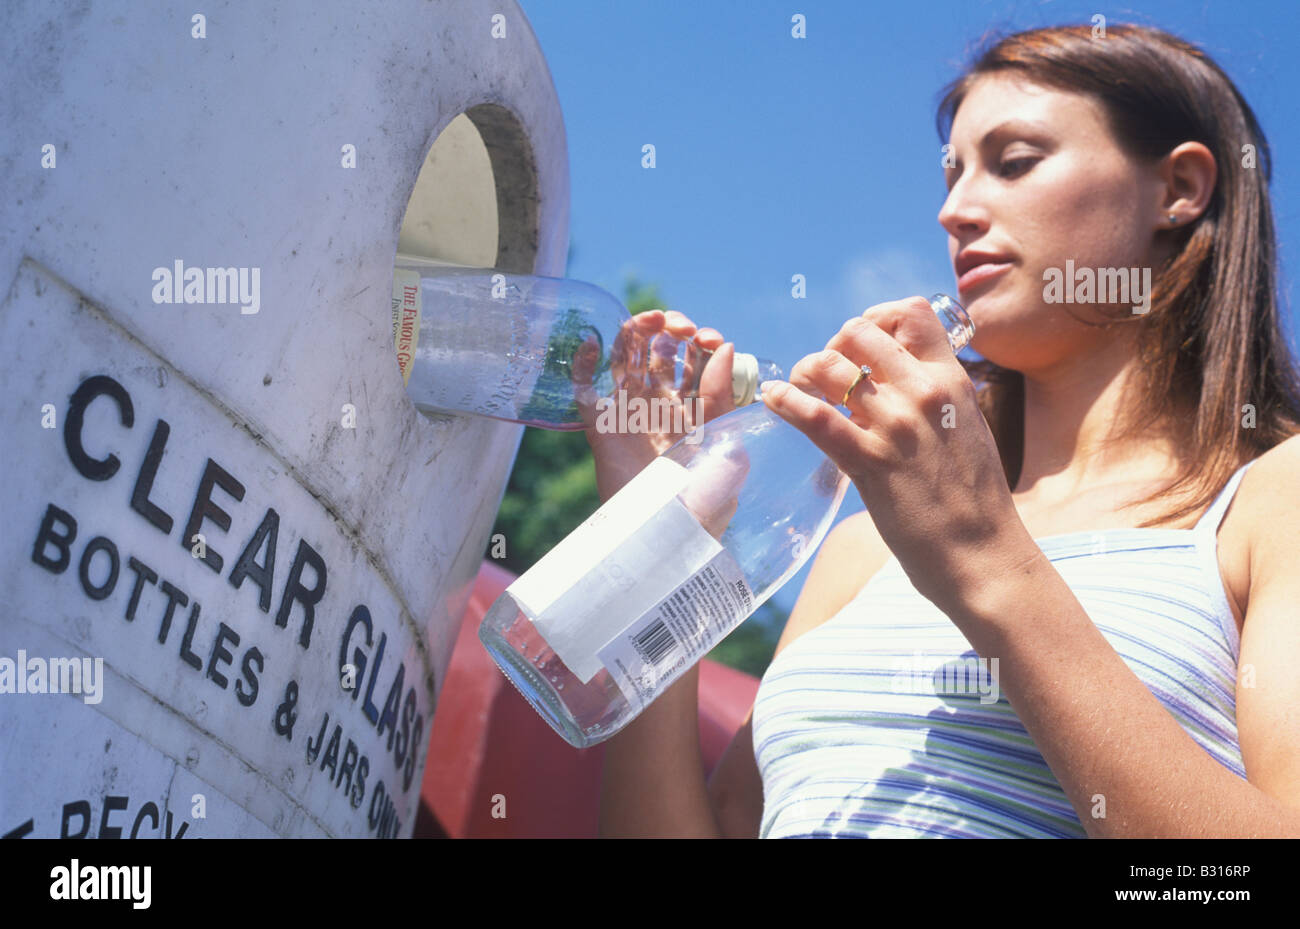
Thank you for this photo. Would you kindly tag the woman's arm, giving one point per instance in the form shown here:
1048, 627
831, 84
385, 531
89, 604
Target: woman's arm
652, 783
1268, 688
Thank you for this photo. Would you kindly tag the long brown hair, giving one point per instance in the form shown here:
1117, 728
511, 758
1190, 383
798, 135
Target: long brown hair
1211, 347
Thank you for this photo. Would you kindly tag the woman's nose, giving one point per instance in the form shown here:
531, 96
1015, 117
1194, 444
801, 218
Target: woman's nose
963, 211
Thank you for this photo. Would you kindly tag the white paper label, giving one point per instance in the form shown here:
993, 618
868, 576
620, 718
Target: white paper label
631, 553
678, 631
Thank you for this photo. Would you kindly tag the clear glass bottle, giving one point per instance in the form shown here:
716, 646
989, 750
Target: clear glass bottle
530, 349
668, 566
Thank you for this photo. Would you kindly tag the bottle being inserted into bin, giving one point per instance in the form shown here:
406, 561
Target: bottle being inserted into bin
668, 566
533, 350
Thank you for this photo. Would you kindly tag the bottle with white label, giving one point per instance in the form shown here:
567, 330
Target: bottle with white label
668, 566
531, 349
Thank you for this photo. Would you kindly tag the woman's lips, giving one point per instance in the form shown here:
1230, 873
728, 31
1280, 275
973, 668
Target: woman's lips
981, 273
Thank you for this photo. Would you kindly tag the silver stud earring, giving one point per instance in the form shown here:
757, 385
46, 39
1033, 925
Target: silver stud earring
1173, 220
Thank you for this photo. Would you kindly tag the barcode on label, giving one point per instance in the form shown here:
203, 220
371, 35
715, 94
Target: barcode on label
655, 644
654, 649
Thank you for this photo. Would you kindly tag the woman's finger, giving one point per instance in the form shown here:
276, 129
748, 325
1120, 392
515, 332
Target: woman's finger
830, 430
913, 324
709, 339
661, 363
691, 358
678, 324
585, 360
863, 342
715, 384
694, 356
629, 359
829, 374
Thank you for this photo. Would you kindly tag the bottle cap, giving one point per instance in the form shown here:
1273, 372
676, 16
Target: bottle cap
955, 320
744, 379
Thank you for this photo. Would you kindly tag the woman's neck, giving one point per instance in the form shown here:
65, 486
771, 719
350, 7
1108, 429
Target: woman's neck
1073, 413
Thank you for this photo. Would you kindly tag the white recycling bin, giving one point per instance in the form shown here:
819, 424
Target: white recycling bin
234, 555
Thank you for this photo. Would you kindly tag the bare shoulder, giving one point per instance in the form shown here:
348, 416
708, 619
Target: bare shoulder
1263, 520
850, 555
1285, 455
1269, 740
1268, 490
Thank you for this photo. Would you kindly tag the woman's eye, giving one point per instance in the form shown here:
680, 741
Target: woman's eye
1015, 167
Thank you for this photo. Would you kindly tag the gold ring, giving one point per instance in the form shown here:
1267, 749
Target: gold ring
864, 372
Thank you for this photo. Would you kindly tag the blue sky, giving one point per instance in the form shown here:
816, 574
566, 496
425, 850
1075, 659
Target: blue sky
778, 156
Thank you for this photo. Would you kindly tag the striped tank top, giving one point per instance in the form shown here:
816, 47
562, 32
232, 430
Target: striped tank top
882, 722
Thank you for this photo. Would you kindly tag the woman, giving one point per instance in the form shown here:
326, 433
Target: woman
1107, 522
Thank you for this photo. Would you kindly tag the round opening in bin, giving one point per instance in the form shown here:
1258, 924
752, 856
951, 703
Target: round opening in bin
452, 213
474, 203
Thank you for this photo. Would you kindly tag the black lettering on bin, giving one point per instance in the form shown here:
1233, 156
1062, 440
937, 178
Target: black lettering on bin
180, 833
100, 385
111, 804
174, 597
143, 573
307, 596
331, 758
388, 719
140, 501
408, 772
97, 544
359, 788
368, 708
20, 831
75, 808
204, 508
221, 654
62, 543
360, 617
246, 697
404, 737
263, 575
347, 766
187, 655
314, 750
377, 800
150, 809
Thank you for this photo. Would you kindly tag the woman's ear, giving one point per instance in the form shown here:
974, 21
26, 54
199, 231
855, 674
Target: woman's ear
1189, 173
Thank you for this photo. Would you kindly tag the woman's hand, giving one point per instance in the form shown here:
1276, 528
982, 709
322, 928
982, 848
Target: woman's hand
916, 446
645, 375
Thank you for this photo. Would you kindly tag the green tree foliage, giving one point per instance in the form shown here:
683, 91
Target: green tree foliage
552, 489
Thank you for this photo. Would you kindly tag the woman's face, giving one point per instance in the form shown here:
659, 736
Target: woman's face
1037, 179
